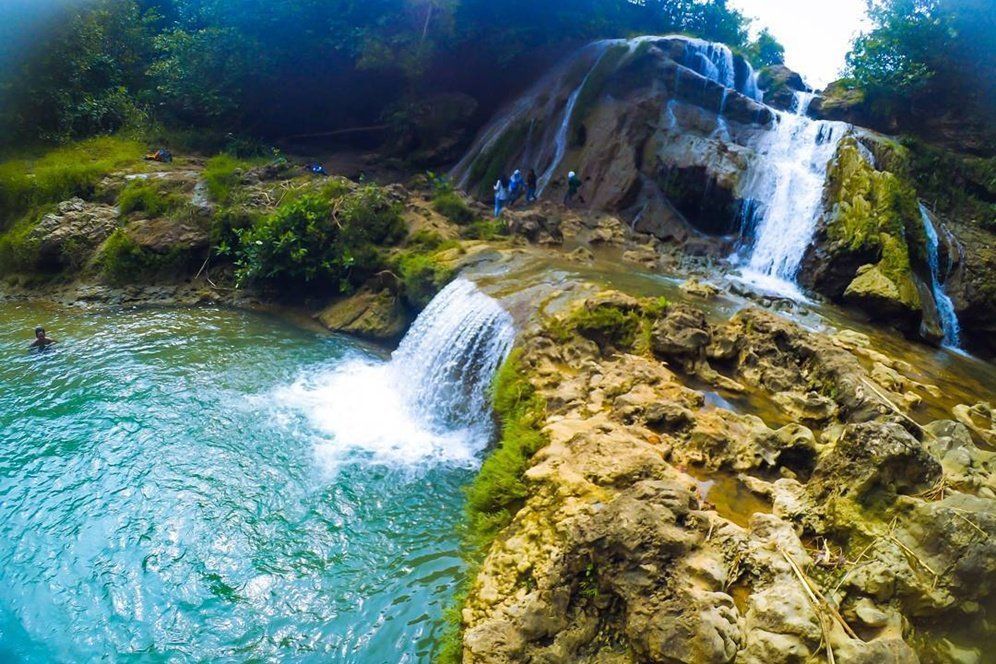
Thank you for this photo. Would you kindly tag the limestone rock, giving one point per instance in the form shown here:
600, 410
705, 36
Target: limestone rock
70, 234
372, 314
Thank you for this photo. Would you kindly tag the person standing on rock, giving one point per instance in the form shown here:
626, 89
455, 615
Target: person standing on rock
42, 341
501, 196
531, 186
573, 189
516, 188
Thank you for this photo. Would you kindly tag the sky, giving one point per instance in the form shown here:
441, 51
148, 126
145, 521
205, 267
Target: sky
816, 34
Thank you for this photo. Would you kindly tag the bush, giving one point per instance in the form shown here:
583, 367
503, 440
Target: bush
31, 182
422, 275
453, 207
18, 250
148, 197
312, 239
122, 260
485, 229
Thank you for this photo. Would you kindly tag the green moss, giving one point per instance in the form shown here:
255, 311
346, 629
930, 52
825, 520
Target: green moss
123, 261
453, 207
37, 180
499, 490
876, 213
222, 174
427, 240
18, 249
611, 325
422, 275
491, 165
957, 185
155, 199
485, 229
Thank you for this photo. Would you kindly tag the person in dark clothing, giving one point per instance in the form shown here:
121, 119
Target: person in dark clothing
573, 189
531, 186
42, 341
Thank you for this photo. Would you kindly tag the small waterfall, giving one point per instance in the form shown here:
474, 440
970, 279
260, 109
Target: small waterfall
715, 62
560, 142
446, 362
783, 194
945, 307
428, 404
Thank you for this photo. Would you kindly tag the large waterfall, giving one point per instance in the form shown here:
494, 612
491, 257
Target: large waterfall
429, 403
945, 307
783, 195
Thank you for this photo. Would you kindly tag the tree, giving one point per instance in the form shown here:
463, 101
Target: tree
765, 50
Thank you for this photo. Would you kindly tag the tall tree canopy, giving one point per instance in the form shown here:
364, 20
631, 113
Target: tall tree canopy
272, 66
926, 56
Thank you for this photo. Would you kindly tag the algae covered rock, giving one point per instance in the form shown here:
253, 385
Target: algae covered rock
373, 314
871, 243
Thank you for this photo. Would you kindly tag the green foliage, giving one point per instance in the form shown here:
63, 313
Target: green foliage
422, 275
150, 197
452, 206
221, 175
485, 229
765, 50
18, 249
924, 54
314, 239
28, 183
123, 261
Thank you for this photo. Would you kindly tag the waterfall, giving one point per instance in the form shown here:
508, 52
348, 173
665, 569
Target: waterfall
445, 363
783, 195
945, 307
715, 62
560, 142
428, 404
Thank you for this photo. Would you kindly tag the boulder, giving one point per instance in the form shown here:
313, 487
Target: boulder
68, 236
378, 315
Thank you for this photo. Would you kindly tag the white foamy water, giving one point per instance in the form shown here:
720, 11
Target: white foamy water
784, 193
945, 307
428, 404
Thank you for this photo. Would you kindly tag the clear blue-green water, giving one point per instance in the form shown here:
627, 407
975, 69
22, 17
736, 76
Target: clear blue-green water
176, 485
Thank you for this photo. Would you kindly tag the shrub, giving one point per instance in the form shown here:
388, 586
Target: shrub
149, 197
453, 207
122, 260
18, 250
422, 275
485, 229
312, 239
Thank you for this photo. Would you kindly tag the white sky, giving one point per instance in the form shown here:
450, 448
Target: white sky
816, 34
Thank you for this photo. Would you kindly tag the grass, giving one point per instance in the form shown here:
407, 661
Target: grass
152, 198
423, 275
18, 250
453, 207
30, 182
122, 260
222, 174
498, 491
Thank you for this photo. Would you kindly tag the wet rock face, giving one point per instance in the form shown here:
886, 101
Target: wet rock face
620, 555
780, 84
645, 136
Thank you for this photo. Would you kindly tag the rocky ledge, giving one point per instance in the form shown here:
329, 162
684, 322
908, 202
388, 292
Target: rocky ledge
815, 521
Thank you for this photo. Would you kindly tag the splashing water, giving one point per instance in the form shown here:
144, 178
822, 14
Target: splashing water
783, 195
945, 307
429, 403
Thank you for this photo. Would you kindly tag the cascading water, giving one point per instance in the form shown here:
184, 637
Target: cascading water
945, 307
783, 195
430, 402
552, 101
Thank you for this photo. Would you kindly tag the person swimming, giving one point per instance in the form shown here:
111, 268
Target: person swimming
42, 340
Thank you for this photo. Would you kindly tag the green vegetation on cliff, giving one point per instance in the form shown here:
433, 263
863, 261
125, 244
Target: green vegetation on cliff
874, 215
499, 489
315, 239
28, 183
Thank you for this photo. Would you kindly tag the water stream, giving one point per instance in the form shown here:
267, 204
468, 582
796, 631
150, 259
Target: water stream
945, 307
783, 196
209, 485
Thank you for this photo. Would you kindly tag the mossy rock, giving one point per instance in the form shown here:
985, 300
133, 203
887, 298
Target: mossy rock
370, 314
873, 242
